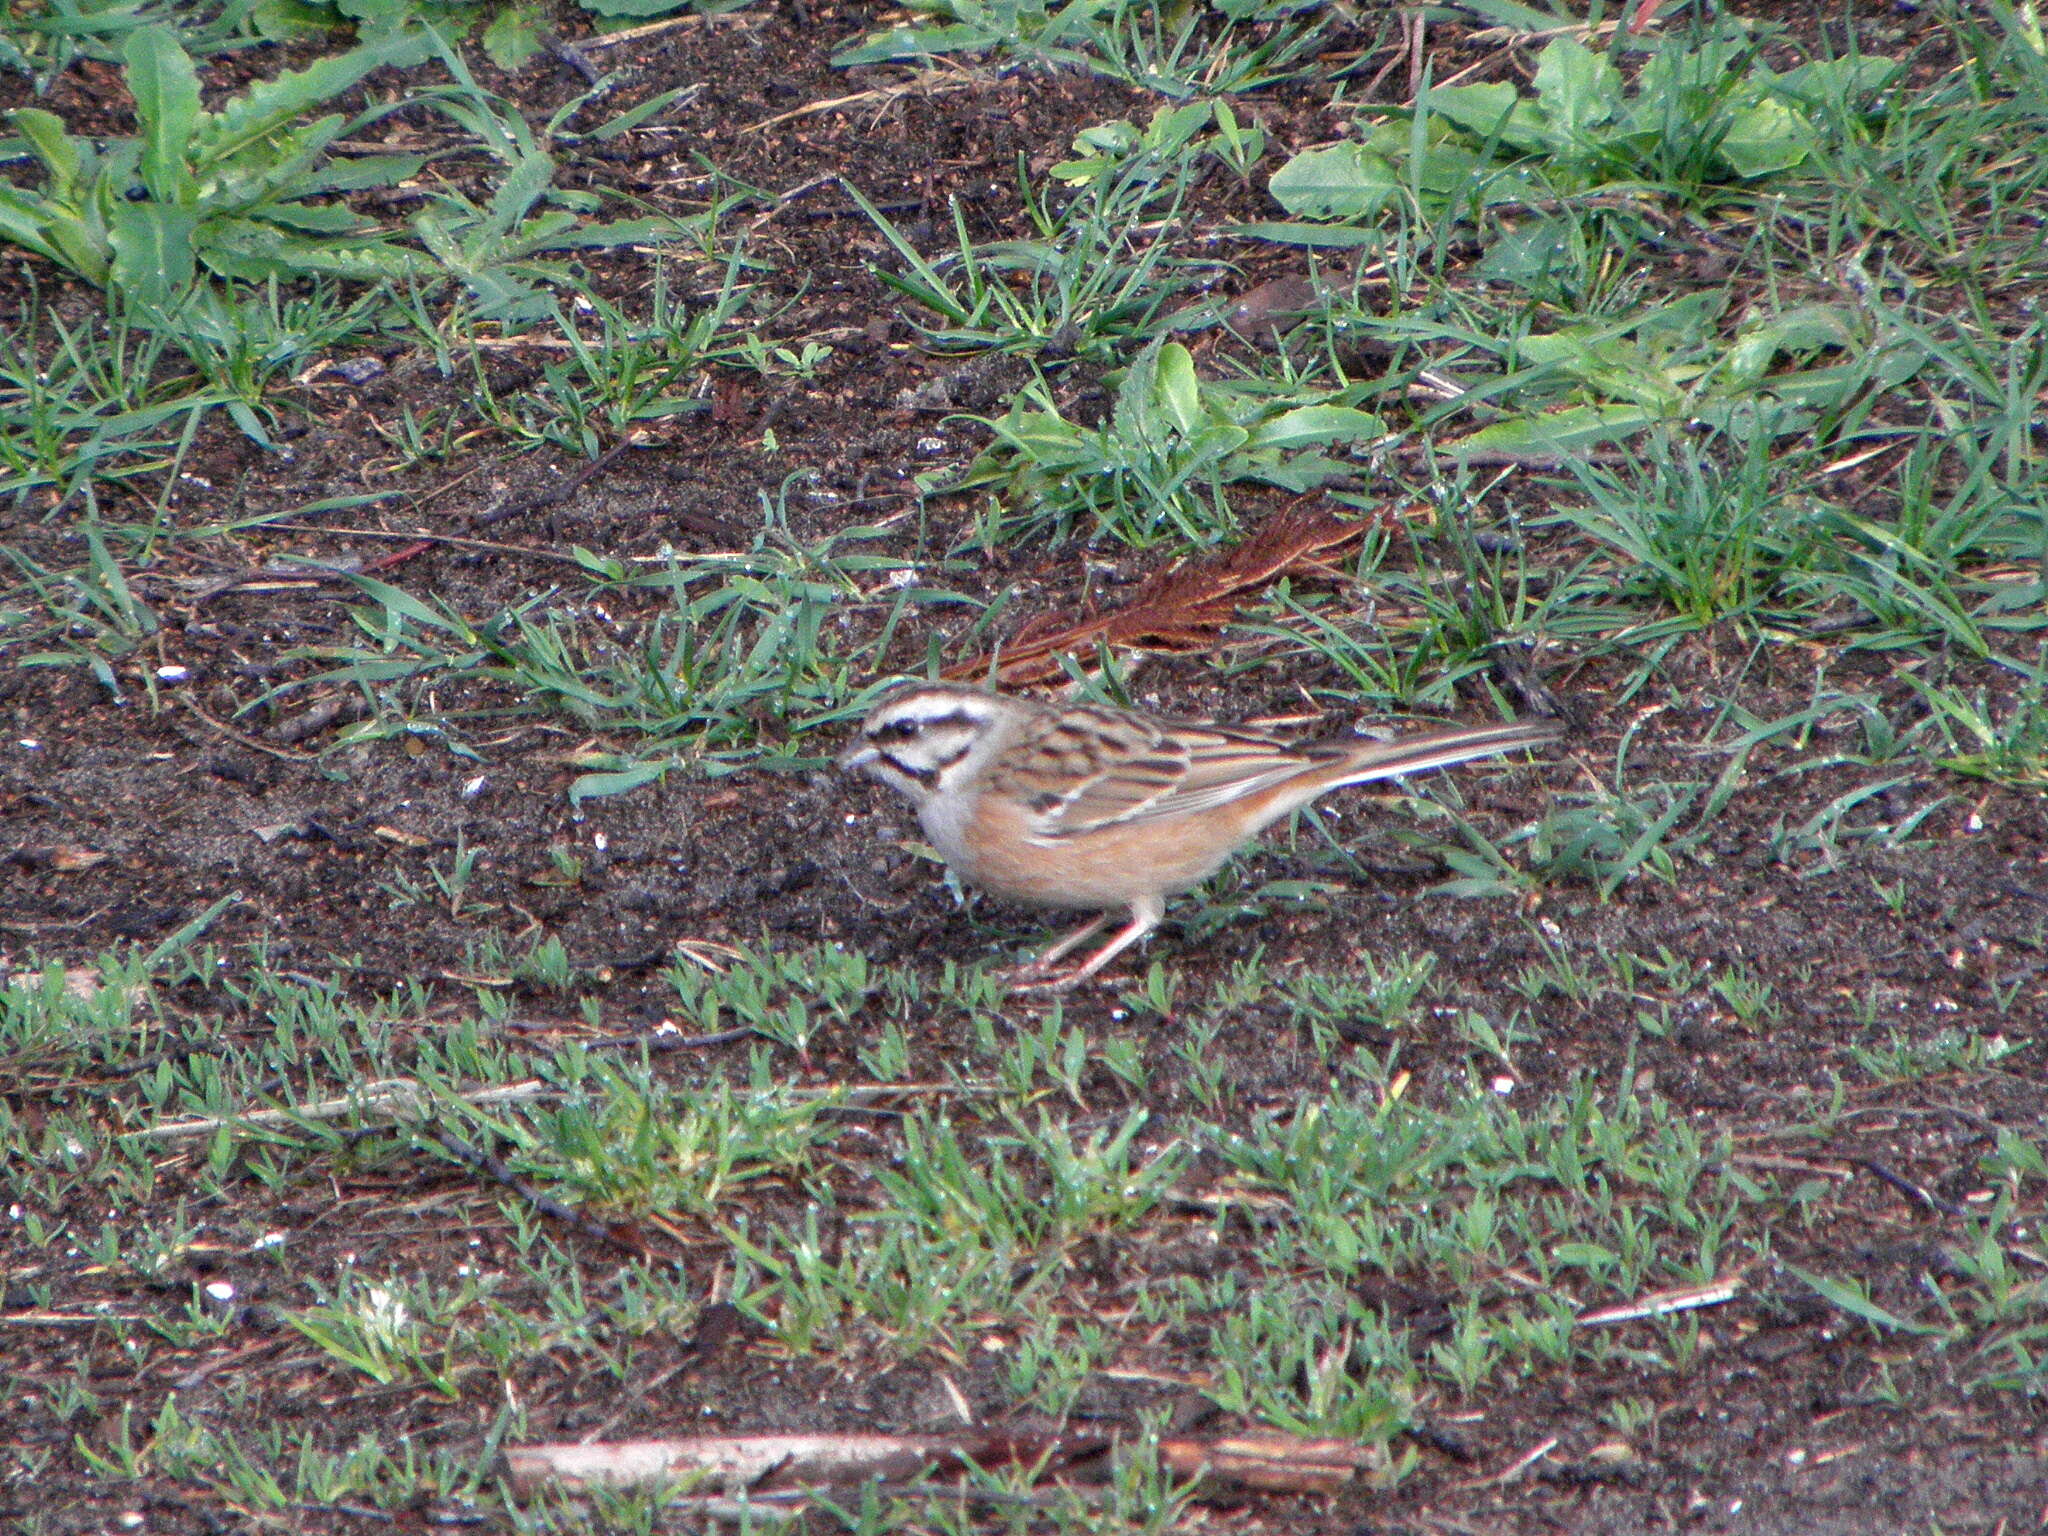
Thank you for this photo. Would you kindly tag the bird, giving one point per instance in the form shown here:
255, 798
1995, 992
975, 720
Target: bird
1088, 806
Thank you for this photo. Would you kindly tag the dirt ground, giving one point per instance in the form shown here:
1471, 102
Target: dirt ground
1783, 1427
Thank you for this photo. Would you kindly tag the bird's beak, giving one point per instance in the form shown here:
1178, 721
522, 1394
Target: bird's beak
859, 755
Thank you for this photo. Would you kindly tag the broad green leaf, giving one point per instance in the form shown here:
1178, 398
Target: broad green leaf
1556, 434
1688, 321
435, 227
378, 18
1611, 364
85, 247
1137, 395
1764, 137
543, 232
153, 259
1821, 389
519, 190
1519, 18
1527, 254
1301, 472
366, 171
281, 20
1315, 426
1172, 128
246, 420
907, 44
53, 146
1178, 388
1490, 111
166, 91
505, 296
1345, 181
1711, 96
270, 105
1212, 444
1116, 138
279, 167
577, 200
1752, 417
1319, 236
1830, 82
314, 218
1802, 331
1449, 169
25, 220
511, 38
1585, 1255
252, 251
583, 235
1577, 88
1683, 88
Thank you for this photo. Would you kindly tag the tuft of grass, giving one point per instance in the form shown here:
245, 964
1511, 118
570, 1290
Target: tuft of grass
1202, 50
724, 646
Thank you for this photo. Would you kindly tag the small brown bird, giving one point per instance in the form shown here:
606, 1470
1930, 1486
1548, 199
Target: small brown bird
1076, 805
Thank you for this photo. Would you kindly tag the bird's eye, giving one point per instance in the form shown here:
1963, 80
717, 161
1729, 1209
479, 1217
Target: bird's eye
902, 730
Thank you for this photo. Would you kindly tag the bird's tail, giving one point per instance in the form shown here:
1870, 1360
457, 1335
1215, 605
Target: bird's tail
1439, 749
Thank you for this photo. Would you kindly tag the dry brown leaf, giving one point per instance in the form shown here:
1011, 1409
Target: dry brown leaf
1184, 607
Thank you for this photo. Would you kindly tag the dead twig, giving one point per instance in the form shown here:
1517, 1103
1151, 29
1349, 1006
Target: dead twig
1907, 1187
784, 200
566, 489
254, 744
453, 541
384, 1099
572, 55
655, 28
800, 1465
1663, 1303
666, 1037
1519, 1465
931, 83
496, 1170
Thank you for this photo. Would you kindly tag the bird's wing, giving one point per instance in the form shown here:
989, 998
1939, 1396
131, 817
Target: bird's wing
1112, 770
1092, 769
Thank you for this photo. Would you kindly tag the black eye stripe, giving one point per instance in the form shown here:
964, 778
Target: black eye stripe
924, 776
903, 730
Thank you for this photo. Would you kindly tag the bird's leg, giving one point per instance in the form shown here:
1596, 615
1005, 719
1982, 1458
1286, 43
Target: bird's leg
1072, 942
1059, 951
1145, 915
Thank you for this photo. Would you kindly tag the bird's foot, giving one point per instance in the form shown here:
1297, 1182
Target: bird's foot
1043, 979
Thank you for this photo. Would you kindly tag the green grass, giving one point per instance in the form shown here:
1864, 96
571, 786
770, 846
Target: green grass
951, 1219
1199, 50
